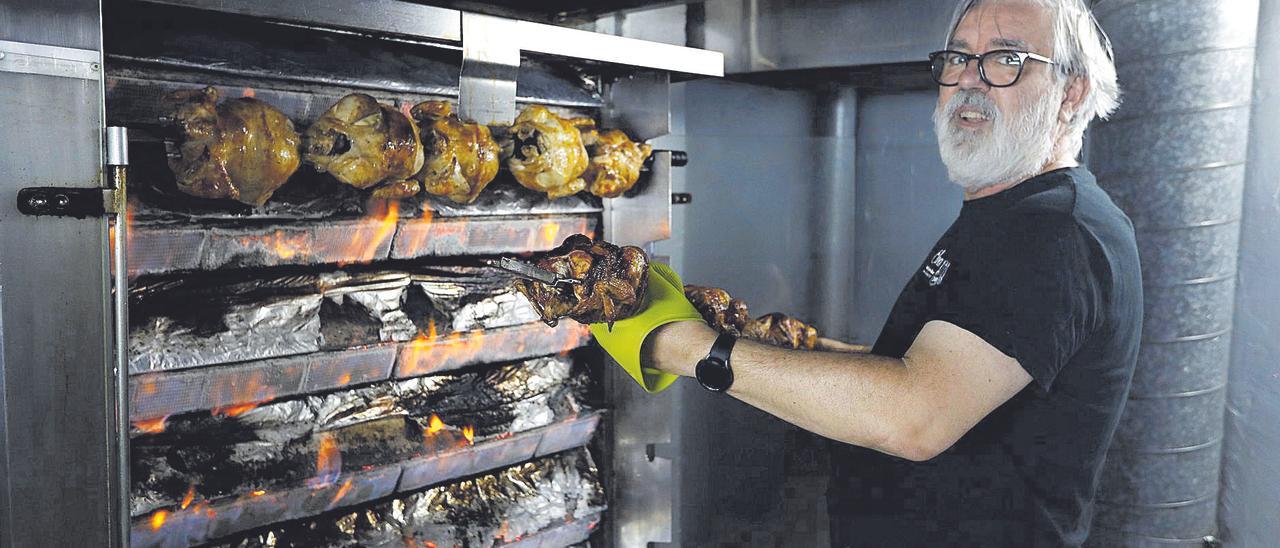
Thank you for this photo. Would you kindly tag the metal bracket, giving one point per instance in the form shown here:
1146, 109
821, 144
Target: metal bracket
66, 202
25, 58
80, 202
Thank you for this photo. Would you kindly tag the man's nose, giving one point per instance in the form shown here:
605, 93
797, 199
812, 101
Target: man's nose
970, 78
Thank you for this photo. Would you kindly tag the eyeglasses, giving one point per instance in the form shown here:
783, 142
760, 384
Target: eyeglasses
999, 68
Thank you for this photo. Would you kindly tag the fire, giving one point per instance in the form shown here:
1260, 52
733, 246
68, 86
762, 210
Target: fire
150, 426
435, 425
328, 461
550, 230
429, 352
241, 393
158, 518
469, 432
342, 492
247, 92
191, 495
283, 244
418, 231
258, 493
368, 237
345, 379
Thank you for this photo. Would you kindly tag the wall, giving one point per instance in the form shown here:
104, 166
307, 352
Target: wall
1249, 511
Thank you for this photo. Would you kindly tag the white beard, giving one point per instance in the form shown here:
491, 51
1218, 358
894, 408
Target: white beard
1015, 149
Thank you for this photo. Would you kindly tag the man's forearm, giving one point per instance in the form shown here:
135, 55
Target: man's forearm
861, 399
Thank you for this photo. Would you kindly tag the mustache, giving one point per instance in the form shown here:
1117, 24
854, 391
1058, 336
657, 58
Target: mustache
971, 98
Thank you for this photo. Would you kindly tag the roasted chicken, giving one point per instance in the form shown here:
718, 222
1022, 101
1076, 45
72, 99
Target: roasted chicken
242, 149
615, 161
363, 143
545, 152
781, 330
725, 313
461, 158
729, 315
613, 282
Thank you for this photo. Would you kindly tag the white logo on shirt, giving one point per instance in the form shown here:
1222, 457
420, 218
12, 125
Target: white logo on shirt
936, 269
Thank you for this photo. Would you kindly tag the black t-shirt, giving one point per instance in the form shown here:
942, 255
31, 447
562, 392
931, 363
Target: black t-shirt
1047, 272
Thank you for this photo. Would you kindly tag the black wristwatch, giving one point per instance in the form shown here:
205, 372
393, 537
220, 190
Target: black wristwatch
714, 372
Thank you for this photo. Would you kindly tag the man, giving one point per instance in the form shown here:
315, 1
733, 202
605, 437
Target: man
989, 400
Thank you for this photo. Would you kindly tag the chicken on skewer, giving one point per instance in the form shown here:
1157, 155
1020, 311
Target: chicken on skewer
615, 161
461, 158
242, 149
613, 282
545, 152
363, 143
729, 315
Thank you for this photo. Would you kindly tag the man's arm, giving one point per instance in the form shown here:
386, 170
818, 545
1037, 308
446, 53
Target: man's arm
914, 407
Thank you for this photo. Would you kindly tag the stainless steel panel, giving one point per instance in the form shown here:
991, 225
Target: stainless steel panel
390, 16
765, 35
640, 104
645, 217
490, 65
60, 413
641, 489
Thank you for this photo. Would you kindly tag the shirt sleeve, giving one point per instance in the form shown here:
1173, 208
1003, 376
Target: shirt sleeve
1034, 299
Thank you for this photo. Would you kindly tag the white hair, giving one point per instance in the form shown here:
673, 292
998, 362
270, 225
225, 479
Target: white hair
1080, 50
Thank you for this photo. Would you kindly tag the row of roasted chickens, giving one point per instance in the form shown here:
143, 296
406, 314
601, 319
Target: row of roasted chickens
244, 149
612, 285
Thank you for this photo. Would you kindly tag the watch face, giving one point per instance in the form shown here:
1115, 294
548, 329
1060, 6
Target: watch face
714, 374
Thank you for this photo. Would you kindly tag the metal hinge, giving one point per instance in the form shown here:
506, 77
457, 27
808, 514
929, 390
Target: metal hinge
82, 202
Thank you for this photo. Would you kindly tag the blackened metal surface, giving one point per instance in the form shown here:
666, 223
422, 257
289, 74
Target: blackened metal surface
197, 520
1173, 158
554, 501
236, 450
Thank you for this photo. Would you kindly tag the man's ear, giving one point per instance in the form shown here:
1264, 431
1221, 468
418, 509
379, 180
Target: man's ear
1077, 88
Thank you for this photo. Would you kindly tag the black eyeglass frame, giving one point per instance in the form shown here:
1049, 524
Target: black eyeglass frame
981, 59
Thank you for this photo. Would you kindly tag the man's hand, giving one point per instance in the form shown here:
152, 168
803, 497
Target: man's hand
664, 303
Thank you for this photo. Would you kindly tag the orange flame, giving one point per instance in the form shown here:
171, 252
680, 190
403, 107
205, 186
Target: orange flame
435, 425
368, 237
345, 379
241, 393
342, 492
150, 426
284, 245
258, 493
191, 495
550, 230
328, 461
469, 432
247, 92
158, 519
429, 352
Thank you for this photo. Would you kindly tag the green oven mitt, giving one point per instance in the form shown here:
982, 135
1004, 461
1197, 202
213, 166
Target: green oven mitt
664, 303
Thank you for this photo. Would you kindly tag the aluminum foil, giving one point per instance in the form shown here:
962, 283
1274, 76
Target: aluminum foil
239, 332
185, 323
492, 509
383, 307
275, 444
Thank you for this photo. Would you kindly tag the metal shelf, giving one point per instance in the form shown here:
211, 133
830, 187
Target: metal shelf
210, 520
154, 396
